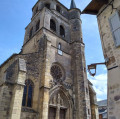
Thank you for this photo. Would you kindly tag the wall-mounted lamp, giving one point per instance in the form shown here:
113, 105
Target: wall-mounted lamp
92, 67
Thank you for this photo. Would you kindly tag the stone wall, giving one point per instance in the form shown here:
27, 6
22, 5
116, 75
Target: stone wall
112, 53
11, 90
5, 99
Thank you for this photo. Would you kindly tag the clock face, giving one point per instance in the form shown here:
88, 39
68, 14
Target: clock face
56, 72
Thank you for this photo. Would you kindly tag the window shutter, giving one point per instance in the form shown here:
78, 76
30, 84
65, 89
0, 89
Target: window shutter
115, 27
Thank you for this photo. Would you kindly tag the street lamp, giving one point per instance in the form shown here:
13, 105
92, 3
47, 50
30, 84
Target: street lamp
92, 67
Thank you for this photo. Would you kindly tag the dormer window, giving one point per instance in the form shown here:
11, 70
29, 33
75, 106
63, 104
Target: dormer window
62, 31
47, 5
52, 25
59, 49
58, 8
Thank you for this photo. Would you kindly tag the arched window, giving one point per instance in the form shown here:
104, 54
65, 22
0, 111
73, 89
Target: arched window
36, 10
52, 25
27, 94
59, 46
58, 8
59, 49
37, 25
47, 5
31, 32
62, 31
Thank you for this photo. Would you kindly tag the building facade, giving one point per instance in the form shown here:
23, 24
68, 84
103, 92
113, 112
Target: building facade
108, 17
102, 108
47, 79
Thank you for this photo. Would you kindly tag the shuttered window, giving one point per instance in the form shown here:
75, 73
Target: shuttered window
115, 27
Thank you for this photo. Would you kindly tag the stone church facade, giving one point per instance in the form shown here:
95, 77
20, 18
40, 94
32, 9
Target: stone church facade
47, 79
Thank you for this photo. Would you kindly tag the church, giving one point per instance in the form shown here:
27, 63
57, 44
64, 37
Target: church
48, 78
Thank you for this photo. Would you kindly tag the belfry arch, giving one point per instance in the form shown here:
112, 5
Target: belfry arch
60, 104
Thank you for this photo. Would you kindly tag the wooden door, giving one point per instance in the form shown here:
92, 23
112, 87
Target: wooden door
62, 113
52, 113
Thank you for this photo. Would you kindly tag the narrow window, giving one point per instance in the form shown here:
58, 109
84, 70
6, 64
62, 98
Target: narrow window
52, 25
36, 10
31, 32
58, 8
37, 25
87, 90
115, 27
88, 112
59, 49
62, 31
59, 46
27, 94
47, 5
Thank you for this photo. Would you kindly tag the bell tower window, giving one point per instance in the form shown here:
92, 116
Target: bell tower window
58, 8
37, 25
47, 5
62, 31
31, 32
36, 10
52, 25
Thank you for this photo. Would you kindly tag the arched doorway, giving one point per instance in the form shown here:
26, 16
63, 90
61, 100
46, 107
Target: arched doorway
59, 106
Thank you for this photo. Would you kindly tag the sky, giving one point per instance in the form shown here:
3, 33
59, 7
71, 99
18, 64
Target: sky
15, 15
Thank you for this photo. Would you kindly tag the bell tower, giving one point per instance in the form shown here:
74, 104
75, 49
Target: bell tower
54, 51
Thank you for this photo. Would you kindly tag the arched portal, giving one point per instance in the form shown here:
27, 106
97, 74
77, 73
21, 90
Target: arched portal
60, 106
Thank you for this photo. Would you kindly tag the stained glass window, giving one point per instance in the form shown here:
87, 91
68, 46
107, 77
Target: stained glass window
56, 72
27, 94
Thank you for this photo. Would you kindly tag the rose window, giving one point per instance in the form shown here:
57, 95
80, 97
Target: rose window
56, 72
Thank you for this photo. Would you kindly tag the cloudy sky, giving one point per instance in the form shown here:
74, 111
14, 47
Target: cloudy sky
15, 16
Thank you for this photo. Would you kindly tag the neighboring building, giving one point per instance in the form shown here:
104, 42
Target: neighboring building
93, 102
47, 79
102, 108
108, 16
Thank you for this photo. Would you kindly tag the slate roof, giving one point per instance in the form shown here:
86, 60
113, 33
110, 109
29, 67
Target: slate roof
73, 5
102, 103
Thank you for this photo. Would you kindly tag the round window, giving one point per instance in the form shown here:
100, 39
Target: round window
56, 72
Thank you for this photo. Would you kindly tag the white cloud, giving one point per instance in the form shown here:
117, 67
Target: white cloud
100, 85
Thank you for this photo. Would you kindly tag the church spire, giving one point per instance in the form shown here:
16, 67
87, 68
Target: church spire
73, 5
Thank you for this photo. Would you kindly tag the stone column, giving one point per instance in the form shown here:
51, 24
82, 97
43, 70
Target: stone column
45, 79
16, 102
58, 108
79, 81
58, 112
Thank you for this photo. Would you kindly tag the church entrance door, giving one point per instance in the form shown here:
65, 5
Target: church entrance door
52, 113
62, 113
